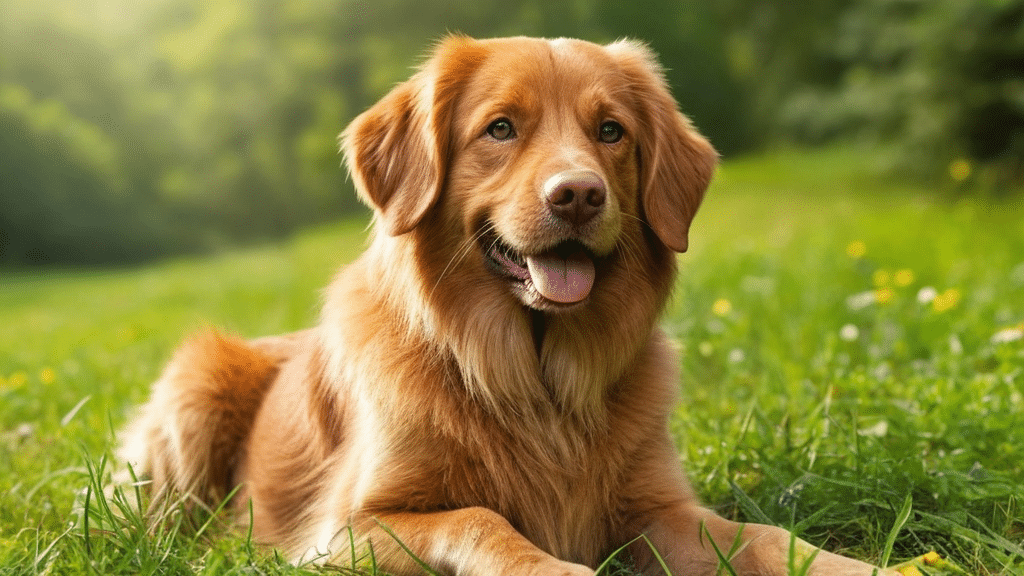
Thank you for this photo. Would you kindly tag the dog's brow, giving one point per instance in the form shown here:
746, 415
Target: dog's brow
514, 105
509, 97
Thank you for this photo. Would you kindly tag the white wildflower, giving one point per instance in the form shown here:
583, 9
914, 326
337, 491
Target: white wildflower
955, 346
736, 356
1007, 335
861, 300
877, 431
926, 295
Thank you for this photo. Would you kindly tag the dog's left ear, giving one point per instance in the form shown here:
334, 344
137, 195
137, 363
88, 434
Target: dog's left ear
396, 151
676, 162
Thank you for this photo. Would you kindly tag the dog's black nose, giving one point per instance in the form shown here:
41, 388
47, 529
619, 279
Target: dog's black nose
576, 196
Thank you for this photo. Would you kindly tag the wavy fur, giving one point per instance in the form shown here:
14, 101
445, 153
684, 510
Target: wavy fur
490, 430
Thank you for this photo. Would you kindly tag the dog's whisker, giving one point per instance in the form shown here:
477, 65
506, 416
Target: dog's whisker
631, 249
464, 250
631, 255
456, 259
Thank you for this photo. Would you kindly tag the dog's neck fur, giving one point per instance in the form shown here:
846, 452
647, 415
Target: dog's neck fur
519, 363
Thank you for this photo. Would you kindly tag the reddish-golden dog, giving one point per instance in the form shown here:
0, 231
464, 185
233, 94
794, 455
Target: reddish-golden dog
487, 384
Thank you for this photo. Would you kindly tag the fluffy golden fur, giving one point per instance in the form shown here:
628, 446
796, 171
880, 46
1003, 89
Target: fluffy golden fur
488, 381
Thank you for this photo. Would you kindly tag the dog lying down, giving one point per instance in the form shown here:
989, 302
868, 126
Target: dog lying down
487, 384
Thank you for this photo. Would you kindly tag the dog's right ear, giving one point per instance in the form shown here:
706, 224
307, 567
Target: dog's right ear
397, 150
676, 162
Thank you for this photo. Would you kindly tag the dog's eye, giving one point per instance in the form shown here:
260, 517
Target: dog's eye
501, 129
611, 132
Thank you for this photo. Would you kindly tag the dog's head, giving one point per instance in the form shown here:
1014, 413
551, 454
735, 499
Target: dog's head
541, 166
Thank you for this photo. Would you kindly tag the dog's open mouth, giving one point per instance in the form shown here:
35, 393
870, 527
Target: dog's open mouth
563, 275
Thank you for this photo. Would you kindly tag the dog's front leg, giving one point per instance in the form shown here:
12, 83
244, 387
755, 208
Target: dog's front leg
683, 537
462, 542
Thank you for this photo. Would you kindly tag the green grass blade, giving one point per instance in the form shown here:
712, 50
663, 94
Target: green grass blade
723, 561
213, 516
657, 555
747, 504
811, 520
618, 551
426, 567
85, 521
901, 520
352, 547
374, 569
804, 568
995, 541
44, 554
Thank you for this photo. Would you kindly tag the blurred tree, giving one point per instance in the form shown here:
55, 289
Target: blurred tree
217, 122
134, 129
70, 181
938, 83
774, 47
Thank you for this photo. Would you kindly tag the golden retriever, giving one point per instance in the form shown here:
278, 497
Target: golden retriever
487, 386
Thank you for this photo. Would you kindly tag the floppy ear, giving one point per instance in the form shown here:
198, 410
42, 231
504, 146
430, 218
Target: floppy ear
397, 150
676, 162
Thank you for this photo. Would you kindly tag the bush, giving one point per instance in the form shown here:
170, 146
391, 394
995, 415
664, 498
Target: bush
63, 195
940, 81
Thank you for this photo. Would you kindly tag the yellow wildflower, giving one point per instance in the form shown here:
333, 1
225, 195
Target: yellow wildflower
706, 349
909, 570
17, 380
904, 277
884, 295
721, 307
931, 559
47, 375
880, 278
946, 300
960, 169
856, 249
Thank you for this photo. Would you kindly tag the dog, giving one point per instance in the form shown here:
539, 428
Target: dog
487, 391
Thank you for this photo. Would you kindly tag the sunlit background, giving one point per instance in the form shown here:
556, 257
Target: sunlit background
135, 130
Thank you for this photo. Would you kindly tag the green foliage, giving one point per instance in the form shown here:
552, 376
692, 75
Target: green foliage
170, 126
128, 132
823, 381
939, 83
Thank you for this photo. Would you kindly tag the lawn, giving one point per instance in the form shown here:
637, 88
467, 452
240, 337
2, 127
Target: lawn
849, 346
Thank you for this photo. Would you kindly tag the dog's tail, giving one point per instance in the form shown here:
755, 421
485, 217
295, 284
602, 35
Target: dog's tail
188, 437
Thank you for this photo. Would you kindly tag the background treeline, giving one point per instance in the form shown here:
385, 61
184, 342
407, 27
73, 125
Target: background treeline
130, 130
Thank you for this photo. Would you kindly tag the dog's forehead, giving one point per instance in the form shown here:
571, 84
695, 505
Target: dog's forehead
560, 65
559, 59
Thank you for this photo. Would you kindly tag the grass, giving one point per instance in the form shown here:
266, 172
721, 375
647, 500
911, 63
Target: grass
850, 370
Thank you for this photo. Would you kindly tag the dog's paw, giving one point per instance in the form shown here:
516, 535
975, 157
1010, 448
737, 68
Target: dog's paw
829, 564
775, 552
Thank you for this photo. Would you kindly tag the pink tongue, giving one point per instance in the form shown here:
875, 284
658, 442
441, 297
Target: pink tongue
563, 280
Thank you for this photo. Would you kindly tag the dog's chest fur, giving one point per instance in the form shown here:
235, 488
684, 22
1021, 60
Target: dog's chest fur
552, 475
